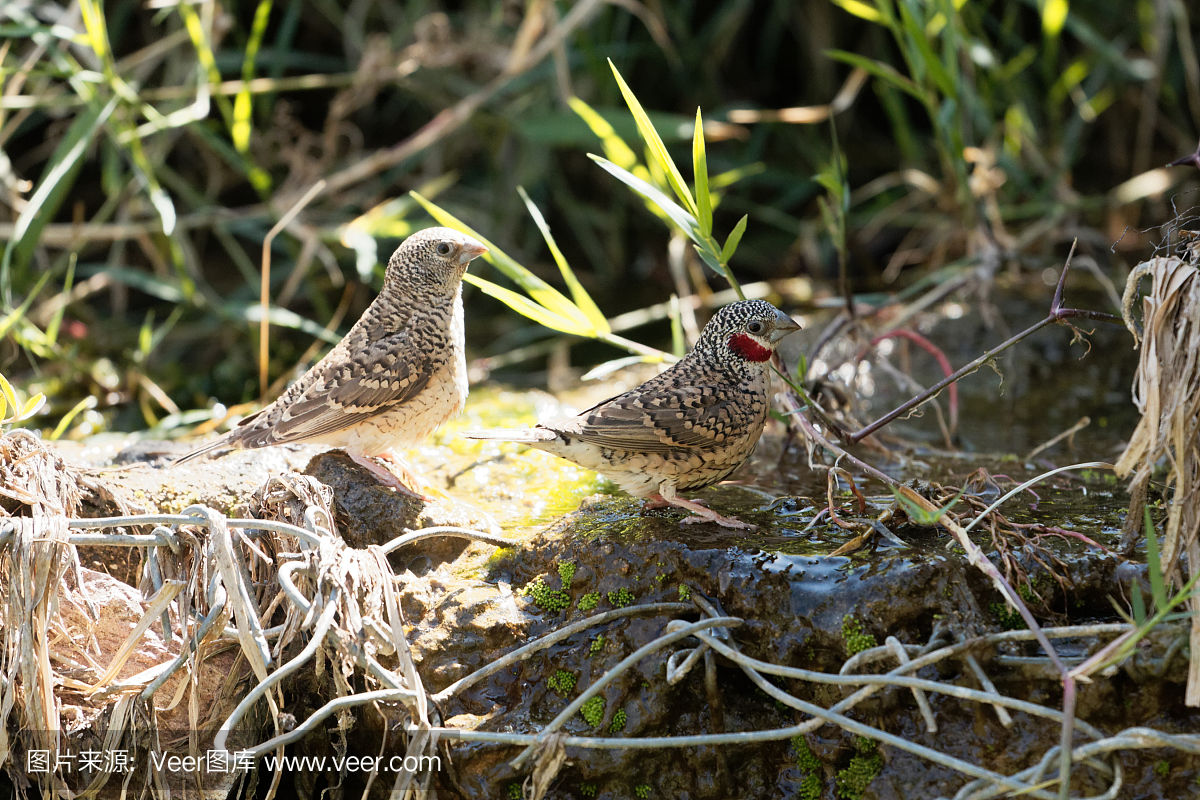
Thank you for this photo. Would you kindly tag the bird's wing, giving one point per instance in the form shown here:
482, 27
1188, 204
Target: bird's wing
342, 390
660, 419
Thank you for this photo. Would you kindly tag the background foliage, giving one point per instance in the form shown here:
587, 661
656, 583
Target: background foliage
148, 148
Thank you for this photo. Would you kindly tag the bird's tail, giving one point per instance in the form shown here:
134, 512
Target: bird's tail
518, 435
215, 444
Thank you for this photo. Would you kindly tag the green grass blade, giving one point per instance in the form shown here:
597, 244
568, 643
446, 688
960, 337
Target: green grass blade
704, 214
523, 305
65, 422
614, 146
57, 318
1137, 603
1154, 566
681, 218
242, 107
655, 142
58, 180
545, 294
17, 313
929, 59
730, 177
582, 299
884, 72
735, 238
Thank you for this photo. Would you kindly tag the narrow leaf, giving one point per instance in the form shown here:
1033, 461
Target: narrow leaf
545, 294
10, 396
735, 238
860, 9
928, 58
1137, 603
885, 72
242, 107
523, 305
57, 181
65, 422
704, 212
655, 142
56, 318
614, 146
582, 299
1154, 566
17, 313
682, 219
32, 406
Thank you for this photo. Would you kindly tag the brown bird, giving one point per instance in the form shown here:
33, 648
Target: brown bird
685, 429
396, 376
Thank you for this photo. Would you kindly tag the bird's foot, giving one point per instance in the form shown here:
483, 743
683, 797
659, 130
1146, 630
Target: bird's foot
389, 478
701, 511
708, 515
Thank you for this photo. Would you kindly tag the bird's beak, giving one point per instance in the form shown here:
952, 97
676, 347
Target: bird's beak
470, 251
783, 326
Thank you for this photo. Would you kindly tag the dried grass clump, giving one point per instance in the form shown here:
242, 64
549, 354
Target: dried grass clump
33, 480
1167, 392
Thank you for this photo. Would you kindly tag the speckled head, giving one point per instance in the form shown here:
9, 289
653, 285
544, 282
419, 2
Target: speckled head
433, 259
745, 332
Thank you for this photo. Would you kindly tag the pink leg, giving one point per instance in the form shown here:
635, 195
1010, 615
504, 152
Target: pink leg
656, 501
388, 478
703, 514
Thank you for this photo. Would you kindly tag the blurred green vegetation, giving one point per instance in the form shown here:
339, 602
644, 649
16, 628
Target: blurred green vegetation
146, 149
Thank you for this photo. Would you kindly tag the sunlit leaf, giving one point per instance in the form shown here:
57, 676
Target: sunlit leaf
242, 106
614, 146
860, 9
545, 294
682, 219
10, 397
1054, 16
582, 299
735, 238
704, 214
655, 143
32, 406
730, 177
65, 422
523, 305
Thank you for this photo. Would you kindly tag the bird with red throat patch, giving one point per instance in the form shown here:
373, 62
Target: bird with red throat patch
399, 374
685, 429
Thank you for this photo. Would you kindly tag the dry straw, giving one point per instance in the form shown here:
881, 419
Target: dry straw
1167, 393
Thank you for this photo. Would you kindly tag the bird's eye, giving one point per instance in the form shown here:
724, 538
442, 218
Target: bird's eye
756, 327
443, 249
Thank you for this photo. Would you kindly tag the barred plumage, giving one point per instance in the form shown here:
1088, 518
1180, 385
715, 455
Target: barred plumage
685, 429
396, 376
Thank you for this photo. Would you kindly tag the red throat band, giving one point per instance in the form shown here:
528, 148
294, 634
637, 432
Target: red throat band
746, 347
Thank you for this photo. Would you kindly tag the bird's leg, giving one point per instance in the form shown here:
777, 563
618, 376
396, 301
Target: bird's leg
667, 492
656, 500
389, 478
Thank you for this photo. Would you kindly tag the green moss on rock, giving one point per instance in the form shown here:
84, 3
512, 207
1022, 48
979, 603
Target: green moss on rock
593, 711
